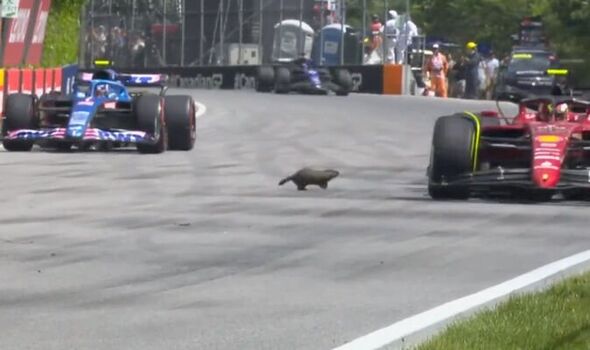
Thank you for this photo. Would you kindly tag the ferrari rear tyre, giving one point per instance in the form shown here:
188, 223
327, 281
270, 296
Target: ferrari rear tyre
450, 155
150, 119
20, 114
180, 119
283, 80
265, 79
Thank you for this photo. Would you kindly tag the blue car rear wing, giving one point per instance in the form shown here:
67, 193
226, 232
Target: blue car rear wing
130, 80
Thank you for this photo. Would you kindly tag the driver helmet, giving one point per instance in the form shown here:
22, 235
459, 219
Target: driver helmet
101, 90
544, 112
561, 111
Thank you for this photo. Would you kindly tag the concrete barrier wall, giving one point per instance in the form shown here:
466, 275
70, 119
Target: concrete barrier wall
37, 81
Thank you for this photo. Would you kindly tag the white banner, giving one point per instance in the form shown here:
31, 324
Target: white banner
9, 8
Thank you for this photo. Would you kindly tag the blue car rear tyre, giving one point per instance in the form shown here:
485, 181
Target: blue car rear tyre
180, 118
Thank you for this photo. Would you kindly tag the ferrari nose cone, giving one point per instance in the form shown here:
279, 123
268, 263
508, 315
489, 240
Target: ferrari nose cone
546, 178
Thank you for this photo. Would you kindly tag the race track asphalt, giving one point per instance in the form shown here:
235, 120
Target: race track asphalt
202, 249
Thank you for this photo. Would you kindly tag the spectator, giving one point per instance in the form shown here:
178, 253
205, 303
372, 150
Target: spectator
456, 79
407, 31
471, 69
437, 69
492, 66
391, 35
375, 43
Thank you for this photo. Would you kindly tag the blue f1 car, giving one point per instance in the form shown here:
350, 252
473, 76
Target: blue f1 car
102, 112
302, 76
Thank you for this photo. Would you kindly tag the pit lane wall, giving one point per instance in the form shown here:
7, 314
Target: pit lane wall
37, 81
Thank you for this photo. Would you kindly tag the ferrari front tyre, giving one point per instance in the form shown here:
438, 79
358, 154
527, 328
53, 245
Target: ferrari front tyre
452, 152
19, 114
344, 81
283, 80
150, 119
179, 112
265, 78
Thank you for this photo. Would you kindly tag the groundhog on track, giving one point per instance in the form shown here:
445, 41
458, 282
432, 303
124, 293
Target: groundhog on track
309, 176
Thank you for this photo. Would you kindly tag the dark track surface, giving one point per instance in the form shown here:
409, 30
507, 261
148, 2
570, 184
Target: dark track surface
202, 250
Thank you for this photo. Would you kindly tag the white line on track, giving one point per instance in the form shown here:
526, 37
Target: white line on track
201, 109
398, 331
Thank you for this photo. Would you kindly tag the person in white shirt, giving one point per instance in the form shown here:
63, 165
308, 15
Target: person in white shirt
391, 33
408, 30
492, 66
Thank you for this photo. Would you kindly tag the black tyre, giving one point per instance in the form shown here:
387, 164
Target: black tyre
20, 113
265, 79
179, 112
150, 118
451, 155
282, 80
343, 78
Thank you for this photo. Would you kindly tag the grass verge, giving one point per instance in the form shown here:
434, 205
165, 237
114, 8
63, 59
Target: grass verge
558, 318
62, 33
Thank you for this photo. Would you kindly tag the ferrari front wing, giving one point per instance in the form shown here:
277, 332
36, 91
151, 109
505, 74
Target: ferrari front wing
517, 178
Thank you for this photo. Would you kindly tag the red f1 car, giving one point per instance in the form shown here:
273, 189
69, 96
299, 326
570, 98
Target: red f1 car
542, 151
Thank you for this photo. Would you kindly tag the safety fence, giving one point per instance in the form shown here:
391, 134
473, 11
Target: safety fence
191, 33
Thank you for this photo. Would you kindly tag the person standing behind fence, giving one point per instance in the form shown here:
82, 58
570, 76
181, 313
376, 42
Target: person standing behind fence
472, 71
391, 35
407, 32
437, 68
375, 44
492, 66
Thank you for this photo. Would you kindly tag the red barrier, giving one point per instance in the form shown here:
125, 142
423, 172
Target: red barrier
36, 47
48, 80
14, 81
16, 34
57, 79
27, 81
39, 81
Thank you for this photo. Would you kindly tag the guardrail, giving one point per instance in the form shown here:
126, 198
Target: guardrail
372, 79
391, 79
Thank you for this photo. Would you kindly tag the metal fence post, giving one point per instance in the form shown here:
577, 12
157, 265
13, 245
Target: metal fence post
386, 47
241, 24
322, 61
280, 28
91, 36
261, 28
364, 17
342, 19
202, 29
164, 33
183, 32
220, 56
301, 43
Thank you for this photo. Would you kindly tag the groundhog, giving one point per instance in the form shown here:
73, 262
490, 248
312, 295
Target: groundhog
309, 176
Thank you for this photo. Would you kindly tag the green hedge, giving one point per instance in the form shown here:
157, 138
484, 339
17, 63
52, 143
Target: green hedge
62, 33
